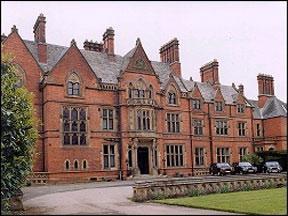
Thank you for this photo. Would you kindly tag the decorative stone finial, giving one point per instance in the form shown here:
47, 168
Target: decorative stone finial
73, 42
14, 29
138, 41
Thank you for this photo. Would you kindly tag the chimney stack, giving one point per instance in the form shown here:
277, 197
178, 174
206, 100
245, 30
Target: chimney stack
40, 38
169, 53
241, 89
209, 72
265, 88
108, 39
93, 46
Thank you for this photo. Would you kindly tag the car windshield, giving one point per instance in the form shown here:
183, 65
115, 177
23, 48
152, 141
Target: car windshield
245, 164
272, 163
223, 165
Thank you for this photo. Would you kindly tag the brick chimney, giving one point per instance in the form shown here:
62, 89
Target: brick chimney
169, 53
108, 40
93, 46
40, 38
209, 72
241, 89
265, 88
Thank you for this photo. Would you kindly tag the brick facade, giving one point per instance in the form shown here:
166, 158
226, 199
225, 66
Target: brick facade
144, 113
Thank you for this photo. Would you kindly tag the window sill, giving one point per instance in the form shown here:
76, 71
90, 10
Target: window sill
74, 97
75, 146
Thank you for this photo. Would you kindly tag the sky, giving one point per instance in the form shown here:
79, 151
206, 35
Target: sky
247, 38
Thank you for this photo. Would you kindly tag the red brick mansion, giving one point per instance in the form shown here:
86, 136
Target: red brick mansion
108, 116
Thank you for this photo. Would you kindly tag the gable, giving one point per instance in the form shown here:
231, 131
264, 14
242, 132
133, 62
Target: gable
218, 95
139, 62
196, 92
72, 61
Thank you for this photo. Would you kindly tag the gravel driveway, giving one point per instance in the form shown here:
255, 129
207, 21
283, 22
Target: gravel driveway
109, 199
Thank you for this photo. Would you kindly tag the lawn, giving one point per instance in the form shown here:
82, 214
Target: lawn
268, 201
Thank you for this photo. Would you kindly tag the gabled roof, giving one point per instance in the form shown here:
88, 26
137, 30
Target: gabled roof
54, 54
108, 69
273, 107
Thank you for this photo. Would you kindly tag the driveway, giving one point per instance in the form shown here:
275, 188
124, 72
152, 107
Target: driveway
107, 198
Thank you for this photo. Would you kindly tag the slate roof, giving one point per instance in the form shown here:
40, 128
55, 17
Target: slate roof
108, 68
273, 107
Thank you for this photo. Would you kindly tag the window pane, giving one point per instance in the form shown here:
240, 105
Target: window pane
66, 113
67, 165
112, 161
74, 139
82, 114
106, 162
105, 149
66, 126
67, 139
74, 115
83, 139
74, 126
111, 149
82, 127
75, 164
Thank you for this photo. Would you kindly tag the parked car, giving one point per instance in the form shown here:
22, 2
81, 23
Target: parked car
244, 167
220, 169
271, 166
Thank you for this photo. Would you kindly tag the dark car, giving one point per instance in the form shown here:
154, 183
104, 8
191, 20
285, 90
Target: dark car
220, 169
244, 167
271, 166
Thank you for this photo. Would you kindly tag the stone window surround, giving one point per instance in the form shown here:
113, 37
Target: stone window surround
226, 155
179, 120
152, 119
204, 155
62, 125
219, 106
172, 89
116, 156
196, 102
242, 126
194, 126
69, 165
183, 155
240, 108
74, 77
227, 126
115, 118
242, 152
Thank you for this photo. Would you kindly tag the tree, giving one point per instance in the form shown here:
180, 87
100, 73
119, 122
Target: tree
18, 133
253, 159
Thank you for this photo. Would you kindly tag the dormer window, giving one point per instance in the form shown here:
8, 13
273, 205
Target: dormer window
219, 106
196, 104
73, 85
172, 98
240, 108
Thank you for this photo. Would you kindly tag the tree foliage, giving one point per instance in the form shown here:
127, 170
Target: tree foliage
18, 132
253, 159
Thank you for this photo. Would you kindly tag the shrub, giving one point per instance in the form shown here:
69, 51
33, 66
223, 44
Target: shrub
18, 133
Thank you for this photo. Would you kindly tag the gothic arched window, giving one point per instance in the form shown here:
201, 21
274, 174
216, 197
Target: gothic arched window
67, 164
73, 85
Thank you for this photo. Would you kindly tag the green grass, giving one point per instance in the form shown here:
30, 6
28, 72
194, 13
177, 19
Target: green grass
269, 201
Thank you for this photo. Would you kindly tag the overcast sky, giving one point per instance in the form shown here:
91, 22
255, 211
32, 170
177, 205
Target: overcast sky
246, 38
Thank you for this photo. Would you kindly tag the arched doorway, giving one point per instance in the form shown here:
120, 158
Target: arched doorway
143, 160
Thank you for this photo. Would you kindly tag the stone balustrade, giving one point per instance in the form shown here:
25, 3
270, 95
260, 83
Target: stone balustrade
194, 186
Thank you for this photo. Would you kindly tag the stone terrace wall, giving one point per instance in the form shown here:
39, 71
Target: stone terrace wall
177, 187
